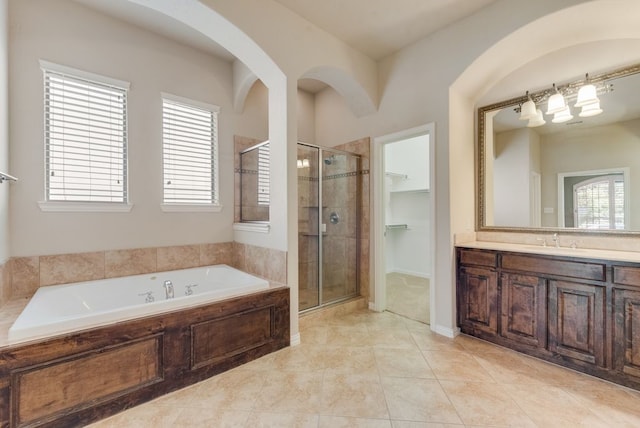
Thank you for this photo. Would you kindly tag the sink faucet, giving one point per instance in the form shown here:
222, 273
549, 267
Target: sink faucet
556, 239
168, 289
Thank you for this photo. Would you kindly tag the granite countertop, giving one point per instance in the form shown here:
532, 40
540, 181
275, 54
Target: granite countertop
587, 253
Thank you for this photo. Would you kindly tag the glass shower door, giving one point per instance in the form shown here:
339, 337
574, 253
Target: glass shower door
339, 224
328, 225
308, 227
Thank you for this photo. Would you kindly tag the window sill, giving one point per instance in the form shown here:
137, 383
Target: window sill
87, 207
190, 208
252, 227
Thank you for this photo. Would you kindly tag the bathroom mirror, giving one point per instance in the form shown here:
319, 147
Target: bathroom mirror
254, 183
580, 175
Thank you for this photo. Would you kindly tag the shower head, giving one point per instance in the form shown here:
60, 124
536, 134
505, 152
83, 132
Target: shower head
329, 160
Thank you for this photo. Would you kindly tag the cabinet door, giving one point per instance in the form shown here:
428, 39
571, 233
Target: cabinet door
576, 321
626, 341
478, 299
523, 300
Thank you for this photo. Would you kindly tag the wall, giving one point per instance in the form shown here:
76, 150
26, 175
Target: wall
516, 155
602, 147
4, 154
94, 42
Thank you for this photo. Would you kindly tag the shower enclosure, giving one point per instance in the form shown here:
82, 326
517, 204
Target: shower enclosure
329, 193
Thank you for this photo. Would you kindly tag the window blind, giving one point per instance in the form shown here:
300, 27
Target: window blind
190, 153
85, 139
263, 175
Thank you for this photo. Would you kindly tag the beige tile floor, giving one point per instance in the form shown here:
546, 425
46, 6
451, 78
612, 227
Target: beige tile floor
369, 369
408, 295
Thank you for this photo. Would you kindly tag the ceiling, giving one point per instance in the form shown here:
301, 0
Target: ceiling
377, 28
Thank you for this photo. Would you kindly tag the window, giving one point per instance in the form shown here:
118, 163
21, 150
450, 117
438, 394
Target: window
190, 152
599, 203
263, 175
85, 128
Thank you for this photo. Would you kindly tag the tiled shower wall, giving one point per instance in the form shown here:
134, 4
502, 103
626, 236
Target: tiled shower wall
362, 147
21, 276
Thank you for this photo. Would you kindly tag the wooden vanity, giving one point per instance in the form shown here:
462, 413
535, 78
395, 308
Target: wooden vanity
576, 311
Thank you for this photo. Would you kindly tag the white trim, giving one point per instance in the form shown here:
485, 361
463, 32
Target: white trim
252, 227
372, 307
294, 340
193, 208
190, 103
445, 331
74, 72
88, 207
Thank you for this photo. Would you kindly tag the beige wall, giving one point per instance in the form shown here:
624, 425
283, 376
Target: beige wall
96, 43
603, 147
4, 133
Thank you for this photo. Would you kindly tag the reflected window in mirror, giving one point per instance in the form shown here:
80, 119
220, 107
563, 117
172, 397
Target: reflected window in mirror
522, 164
255, 182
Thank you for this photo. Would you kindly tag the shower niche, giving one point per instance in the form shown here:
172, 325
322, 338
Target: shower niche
329, 213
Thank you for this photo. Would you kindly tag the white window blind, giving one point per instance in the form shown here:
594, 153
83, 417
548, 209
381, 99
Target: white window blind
599, 203
263, 175
190, 151
85, 137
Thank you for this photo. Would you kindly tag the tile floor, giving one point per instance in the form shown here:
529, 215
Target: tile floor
369, 369
408, 295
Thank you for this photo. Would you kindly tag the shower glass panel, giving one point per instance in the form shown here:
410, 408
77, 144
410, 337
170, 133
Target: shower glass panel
329, 183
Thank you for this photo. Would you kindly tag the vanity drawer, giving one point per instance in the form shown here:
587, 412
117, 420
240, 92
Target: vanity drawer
478, 258
626, 275
567, 268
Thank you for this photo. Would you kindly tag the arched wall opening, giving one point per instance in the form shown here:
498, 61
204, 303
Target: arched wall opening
589, 22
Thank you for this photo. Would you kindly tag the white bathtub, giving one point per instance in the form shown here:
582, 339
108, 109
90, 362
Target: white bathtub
63, 308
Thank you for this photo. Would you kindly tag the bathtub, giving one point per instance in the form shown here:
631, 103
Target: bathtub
63, 308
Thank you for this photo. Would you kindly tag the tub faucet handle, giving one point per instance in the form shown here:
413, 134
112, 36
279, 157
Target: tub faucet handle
189, 289
149, 296
168, 289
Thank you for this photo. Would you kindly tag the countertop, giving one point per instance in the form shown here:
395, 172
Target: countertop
587, 253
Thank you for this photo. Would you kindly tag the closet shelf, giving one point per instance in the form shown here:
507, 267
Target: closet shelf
410, 191
396, 226
396, 175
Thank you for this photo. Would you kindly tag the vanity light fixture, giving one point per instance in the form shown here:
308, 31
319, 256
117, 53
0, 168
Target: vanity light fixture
590, 110
528, 109
305, 163
299, 163
556, 102
563, 115
587, 94
538, 120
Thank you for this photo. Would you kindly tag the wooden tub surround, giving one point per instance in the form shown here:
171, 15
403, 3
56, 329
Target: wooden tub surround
581, 313
76, 379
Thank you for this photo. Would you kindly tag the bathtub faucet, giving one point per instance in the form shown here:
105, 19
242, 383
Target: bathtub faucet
168, 289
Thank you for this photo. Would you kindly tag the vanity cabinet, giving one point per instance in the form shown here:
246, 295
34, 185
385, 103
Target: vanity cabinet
578, 312
577, 321
478, 292
523, 304
626, 331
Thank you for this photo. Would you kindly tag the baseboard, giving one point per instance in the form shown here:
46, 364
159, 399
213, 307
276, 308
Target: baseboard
445, 331
295, 339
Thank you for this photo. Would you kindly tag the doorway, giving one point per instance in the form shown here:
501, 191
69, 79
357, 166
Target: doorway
404, 225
